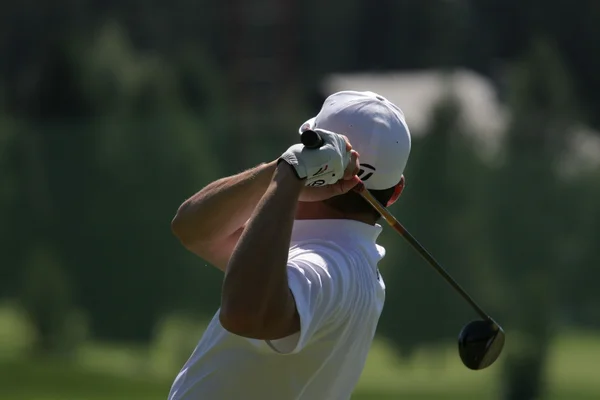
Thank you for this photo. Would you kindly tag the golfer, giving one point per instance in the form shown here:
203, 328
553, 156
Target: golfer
302, 293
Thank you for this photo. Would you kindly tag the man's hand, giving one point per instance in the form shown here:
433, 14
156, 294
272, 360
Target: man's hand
348, 182
322, 166
329, 171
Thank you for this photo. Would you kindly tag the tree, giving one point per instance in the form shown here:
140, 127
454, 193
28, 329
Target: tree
525, 209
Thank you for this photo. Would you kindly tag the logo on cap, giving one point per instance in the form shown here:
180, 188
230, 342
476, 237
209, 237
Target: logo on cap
364, 170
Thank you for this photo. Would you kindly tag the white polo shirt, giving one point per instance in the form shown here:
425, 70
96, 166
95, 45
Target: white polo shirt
333, 275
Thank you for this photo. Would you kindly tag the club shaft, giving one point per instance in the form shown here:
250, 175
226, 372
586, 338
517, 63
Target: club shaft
393, 222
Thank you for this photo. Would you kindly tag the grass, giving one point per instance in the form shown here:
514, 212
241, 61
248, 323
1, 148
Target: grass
113, 372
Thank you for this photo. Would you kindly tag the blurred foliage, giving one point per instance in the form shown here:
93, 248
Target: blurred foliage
112, 113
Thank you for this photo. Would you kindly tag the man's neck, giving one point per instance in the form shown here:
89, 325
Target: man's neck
318, 210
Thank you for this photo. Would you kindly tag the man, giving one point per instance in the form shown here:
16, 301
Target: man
302, 294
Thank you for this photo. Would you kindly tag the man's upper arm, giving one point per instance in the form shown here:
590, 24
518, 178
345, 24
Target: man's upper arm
316, 284
218, 252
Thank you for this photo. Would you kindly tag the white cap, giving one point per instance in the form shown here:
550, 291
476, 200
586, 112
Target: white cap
376, 129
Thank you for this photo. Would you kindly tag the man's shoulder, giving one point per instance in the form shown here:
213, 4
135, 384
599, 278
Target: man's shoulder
330, 260
321, 253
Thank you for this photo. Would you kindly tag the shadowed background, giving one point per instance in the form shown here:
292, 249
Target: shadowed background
113, 113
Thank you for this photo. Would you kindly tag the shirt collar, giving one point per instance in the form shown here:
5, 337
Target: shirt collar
306, 229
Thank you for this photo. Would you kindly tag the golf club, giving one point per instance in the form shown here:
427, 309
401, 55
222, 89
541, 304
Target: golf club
480, 342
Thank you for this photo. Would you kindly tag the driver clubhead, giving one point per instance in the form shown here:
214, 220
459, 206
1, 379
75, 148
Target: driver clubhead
480, 343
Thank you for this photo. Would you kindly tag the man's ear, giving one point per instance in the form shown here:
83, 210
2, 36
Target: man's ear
397, 191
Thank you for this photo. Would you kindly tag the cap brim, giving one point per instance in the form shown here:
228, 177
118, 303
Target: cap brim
310, 124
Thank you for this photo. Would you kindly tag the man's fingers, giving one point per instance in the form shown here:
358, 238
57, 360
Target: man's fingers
360, 187
353, 166
348, 145
341, 187
326, 192
346, 185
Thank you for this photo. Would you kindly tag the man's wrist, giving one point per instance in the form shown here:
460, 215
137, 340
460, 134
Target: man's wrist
283, 164
285, 172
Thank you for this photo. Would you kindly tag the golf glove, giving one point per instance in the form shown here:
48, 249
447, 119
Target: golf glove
322, 166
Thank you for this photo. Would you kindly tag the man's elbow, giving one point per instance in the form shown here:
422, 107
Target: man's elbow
241, 325
177, 228
180, 227
258, 326
248, 325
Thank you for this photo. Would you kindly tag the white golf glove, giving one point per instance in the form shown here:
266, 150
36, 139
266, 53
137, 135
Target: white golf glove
322, 166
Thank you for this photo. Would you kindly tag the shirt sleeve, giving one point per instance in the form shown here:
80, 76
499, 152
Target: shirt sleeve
317, 287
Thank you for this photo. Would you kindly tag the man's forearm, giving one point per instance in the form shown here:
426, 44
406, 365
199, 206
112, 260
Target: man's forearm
223, 206
256, 300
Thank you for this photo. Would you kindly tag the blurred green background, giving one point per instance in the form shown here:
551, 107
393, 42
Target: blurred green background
113, 112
